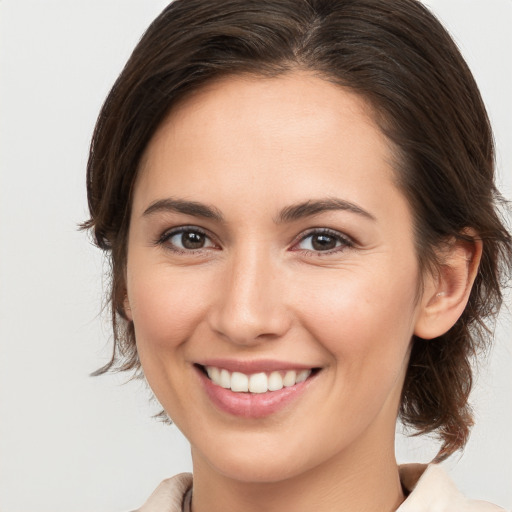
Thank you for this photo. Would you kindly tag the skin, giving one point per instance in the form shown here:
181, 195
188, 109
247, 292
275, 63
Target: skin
249, 148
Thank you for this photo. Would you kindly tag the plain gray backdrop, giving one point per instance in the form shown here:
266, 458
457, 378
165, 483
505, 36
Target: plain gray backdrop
72, 443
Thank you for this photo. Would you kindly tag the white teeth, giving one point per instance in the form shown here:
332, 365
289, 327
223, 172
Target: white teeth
224, 379
303, 375
275, 381
239, 382
256, 382
213, 373
289, 378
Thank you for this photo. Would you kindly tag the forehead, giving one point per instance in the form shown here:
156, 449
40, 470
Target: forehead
291, 136
277, 107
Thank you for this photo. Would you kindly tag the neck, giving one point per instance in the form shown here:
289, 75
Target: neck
351, 482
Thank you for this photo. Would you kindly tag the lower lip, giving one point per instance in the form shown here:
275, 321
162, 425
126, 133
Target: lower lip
252, 405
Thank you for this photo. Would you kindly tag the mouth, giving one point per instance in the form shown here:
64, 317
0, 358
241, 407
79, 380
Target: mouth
260, 390
260, 382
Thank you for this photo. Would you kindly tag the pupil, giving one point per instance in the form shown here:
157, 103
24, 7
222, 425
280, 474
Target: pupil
323, 242
191, 240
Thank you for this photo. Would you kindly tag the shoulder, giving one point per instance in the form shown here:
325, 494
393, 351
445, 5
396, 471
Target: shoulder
169, 495
432, 490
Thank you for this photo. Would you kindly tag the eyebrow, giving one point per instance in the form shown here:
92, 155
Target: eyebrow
192, 208
291, 213
315, 207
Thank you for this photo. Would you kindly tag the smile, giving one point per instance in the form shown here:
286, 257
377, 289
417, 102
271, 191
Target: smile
261, 382
254, 390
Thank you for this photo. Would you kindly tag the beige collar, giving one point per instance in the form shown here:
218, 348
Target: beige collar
430, 490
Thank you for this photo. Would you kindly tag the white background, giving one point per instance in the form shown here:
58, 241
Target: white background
69, 442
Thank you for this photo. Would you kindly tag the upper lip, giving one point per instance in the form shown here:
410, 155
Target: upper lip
254, 366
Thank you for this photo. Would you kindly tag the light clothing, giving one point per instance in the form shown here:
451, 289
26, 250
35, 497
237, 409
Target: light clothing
430, 488
171, 495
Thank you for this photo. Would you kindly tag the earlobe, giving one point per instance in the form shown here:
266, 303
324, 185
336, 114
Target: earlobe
447, 293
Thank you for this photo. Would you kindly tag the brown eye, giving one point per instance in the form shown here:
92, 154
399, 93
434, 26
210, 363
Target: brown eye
192, 240
324, 241
186, 239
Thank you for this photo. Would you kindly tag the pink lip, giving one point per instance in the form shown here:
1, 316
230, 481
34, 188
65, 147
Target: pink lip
256, 366
251, 405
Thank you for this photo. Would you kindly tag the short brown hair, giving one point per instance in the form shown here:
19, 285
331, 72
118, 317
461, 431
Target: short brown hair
396, 55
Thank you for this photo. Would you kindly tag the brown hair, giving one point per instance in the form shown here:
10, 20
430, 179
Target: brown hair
397, 56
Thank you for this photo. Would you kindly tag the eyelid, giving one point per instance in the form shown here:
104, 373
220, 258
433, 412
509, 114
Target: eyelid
164, 238
346, 241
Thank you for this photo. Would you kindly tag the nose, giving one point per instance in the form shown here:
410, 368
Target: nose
251, 303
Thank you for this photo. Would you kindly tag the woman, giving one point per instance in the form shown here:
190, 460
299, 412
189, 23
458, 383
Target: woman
298, 199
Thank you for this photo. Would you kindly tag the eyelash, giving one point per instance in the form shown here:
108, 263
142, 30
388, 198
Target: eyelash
344, 241
165, 238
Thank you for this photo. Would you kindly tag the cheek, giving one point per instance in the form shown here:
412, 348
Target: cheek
361, 317
165, 309
366, 329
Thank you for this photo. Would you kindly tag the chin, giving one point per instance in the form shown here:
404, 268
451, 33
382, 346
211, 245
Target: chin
255, 461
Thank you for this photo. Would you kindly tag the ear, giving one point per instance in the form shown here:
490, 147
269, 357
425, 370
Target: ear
127, 310
447, 292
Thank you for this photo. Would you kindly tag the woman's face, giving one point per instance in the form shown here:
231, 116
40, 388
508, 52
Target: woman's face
269, 244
